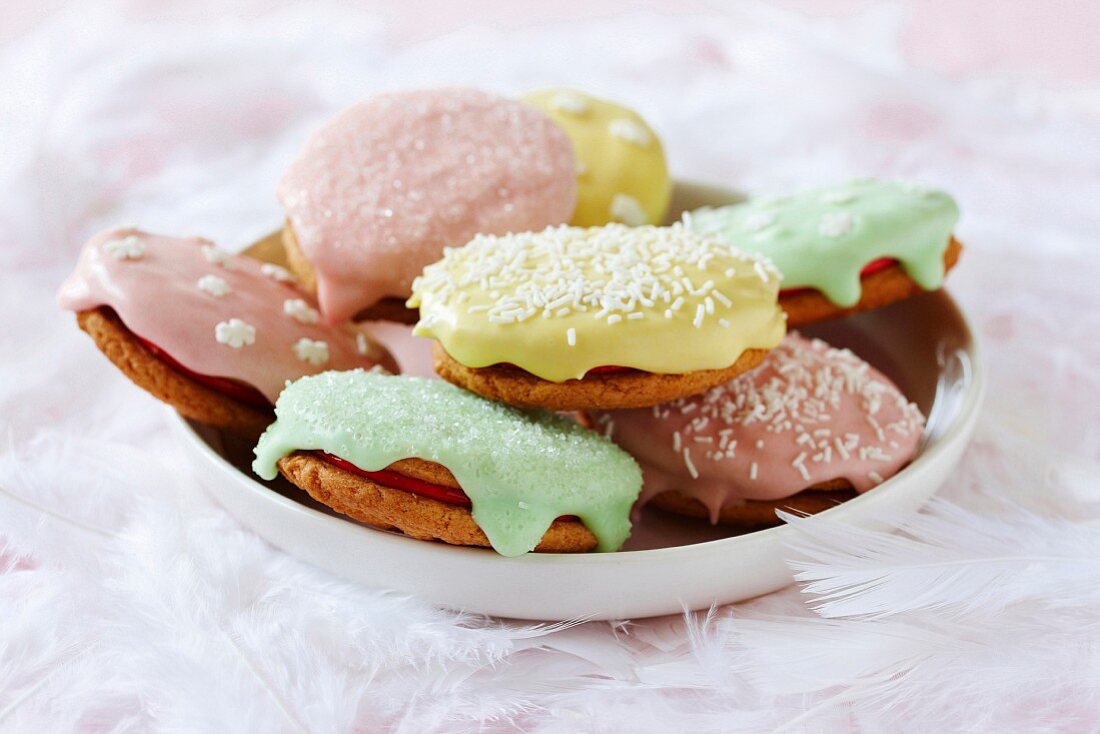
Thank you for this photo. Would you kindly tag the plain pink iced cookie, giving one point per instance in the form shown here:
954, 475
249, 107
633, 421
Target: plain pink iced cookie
383, 187
809, 414
215, 313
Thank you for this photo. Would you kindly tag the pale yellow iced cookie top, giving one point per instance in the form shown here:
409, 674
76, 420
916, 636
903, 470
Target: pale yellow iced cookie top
560, 302
622, 175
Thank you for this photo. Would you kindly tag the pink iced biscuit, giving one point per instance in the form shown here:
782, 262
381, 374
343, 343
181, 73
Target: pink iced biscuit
809, 414
383, 187
214, 313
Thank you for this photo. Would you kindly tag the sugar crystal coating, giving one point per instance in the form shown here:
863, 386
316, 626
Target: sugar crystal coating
521, 469
383, 187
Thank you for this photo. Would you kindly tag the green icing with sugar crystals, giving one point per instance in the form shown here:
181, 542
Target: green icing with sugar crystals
823, 238
521, 469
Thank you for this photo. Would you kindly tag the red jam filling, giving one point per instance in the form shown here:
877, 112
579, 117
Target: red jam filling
448, 495
869, 269
230, 388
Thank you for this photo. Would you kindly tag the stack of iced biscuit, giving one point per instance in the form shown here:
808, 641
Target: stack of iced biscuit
592, 360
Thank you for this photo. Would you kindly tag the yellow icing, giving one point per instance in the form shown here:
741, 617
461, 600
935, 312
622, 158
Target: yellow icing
560, 302
622, 175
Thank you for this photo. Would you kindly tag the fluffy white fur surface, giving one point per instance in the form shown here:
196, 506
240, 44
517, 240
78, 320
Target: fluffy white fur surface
129, 602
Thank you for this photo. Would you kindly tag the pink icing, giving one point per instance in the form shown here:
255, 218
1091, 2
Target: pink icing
384, 186
810, 413
153, 284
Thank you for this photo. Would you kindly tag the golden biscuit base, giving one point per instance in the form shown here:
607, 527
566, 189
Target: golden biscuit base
760, 513
600, 391
419, 517
878, 289
388, 309
164, 382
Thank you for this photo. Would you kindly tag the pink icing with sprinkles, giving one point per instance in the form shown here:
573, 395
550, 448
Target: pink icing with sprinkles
213, 312
383, 187
810, 413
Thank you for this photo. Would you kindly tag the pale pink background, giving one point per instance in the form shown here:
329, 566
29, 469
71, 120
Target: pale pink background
1052, 43
180, 119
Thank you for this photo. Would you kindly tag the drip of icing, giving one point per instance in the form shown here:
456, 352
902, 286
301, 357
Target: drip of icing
561, 302
158, 296
520, 469
823, 238
622, 173
383, 187
809, 414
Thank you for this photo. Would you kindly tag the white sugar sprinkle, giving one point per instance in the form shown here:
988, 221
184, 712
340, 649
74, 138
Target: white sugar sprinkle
569, 103
313, 351
628, 210
214, 285
300, 311
235, 333
277, 273
571, 336
129, 247
799, 463
217, 256
757, 221
690, 464
630, 131
836, 224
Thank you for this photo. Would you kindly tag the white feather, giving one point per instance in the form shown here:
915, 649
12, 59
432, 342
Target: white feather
947, 559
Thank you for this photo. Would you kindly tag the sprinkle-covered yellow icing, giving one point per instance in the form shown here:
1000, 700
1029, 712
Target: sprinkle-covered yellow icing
560, 302
622, 175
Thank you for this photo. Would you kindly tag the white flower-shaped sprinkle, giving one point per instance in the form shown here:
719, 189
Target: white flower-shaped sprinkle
277, 273
300, 311
217, 256
628, 210
757, 221
235, 333
311, 350
836, 224
629, 131
837, 197
214, 285
569, 103
128, 248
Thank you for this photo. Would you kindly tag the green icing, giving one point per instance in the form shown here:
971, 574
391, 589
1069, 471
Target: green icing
823, 238
521, 469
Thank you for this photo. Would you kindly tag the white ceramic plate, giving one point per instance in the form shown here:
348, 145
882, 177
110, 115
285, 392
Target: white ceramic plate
924, 344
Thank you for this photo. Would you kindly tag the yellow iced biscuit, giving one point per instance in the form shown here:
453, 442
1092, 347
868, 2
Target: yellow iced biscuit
622, 175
